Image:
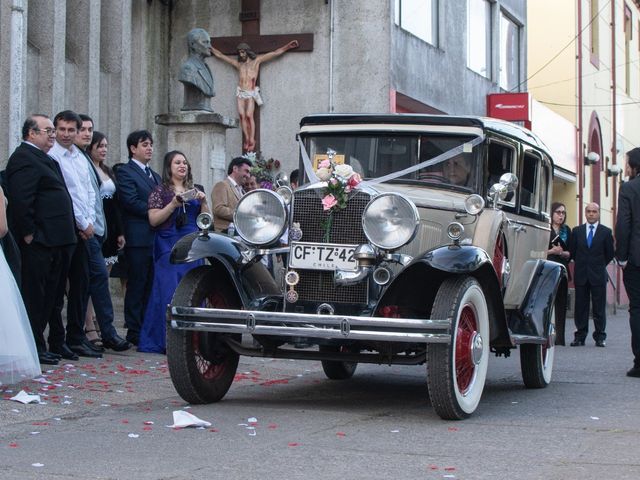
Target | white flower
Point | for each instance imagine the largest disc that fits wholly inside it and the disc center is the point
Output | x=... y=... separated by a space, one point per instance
x=344 y=170
x=324 y=174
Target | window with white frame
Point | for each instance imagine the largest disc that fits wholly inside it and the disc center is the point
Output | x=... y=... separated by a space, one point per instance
x=479 y=37
x=419 y=17
x=509 y=53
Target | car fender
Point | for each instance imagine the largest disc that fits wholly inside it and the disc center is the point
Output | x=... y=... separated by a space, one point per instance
x=416 y=286
x=547 y=289
x=251 y=279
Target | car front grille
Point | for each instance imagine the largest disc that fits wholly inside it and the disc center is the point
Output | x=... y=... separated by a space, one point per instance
x=317 y=285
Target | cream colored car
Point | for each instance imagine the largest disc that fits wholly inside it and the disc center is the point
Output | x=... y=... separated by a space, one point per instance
x=415 y=240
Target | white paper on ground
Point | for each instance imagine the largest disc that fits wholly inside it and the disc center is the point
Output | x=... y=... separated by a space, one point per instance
x=24 y=397
x=182 y=419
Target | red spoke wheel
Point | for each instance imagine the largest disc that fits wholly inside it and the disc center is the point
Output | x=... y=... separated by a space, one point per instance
x=456 y=372
x=201 y=365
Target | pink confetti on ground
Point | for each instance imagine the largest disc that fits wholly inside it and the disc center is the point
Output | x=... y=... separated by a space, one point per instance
x=449 y=469
x=293 y=444
x=280 y=381
x=453 y=429
x=341 y=434
x=272 y=426
x=13 y=445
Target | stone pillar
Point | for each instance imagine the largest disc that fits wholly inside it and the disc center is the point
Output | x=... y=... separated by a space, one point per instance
x=201 y=137
x=17 y=67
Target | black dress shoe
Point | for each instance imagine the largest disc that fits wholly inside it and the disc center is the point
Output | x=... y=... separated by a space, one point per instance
x=64 y=352
x=133 y=340
x=577 y=343
x=53 y=355
x=117 y=343
x=84 y=351
x=634 y=372
x=601 y=343
x=46 y=359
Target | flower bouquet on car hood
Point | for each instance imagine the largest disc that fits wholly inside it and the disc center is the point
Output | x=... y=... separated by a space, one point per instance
x=341 y=180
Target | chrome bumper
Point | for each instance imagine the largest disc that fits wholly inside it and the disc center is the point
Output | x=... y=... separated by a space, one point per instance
x=343 y=327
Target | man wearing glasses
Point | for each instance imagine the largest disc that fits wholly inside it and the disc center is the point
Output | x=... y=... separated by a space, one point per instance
x=42 y=221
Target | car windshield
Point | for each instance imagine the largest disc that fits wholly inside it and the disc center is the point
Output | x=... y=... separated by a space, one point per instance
x=376 y=155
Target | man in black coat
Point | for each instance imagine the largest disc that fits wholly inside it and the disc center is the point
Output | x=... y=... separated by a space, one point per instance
x=43 y=223
x=591 y=247
x=135 y=182
x=628 y=249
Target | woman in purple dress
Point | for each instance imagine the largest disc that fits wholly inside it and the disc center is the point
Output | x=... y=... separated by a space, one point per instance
x=173 y=208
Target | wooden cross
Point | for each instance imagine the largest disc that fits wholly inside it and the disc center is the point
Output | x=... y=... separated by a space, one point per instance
x=250 y=18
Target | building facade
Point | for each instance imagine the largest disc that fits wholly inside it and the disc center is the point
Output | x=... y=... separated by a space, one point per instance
x=118 y=61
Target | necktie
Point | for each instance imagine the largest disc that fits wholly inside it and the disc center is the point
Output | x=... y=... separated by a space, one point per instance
x=590 y=236
x=148 y=172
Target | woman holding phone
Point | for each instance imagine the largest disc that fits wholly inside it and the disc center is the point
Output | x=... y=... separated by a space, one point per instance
x=559 y=236
x=173 y=208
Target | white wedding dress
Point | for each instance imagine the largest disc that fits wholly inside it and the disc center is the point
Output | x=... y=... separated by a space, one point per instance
x=18 y=354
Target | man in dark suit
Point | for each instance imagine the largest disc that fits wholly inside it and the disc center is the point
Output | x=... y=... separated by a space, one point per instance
x=591 y=247
x=43 y=223
x=628 y=249
x=136 y=180
x=227 y=193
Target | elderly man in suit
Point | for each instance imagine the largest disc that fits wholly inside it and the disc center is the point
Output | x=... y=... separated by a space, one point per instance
x=135 y=182
x=227 y=193
x=628 y=249
x=591 y=247
x=43 y=223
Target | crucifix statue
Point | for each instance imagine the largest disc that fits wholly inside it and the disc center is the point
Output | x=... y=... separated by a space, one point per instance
x=263 y=47
x=247 y=92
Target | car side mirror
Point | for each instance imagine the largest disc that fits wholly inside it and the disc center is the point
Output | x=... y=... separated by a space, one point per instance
x=499 y=191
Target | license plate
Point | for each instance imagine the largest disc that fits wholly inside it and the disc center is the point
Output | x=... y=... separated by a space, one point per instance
x=322 y=256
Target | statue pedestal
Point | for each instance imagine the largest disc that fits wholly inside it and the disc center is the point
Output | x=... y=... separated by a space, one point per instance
x=200 y=135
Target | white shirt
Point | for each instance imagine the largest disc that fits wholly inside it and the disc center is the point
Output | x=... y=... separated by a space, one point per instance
x=236 y=187
x=595 y=227
x=75 y=170
x=142 y=166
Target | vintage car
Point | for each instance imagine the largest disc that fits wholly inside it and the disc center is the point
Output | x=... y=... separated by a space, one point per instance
x=417 y=240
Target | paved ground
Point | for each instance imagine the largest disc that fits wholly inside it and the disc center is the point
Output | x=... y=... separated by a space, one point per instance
x=107 y=419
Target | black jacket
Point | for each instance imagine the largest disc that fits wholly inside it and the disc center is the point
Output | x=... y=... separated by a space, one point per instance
x=39 y=202
x=591 y=263
x=628 y=223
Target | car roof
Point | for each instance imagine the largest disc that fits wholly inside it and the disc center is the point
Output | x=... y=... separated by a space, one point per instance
x=494 y=124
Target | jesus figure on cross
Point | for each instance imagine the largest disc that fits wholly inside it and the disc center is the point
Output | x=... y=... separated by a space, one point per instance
x=247 y=92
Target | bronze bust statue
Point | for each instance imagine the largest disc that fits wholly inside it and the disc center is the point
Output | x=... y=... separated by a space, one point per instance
x=195 y=74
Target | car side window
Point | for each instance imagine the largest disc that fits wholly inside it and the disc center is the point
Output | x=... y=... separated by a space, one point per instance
x=530 y=182
x=501 y=160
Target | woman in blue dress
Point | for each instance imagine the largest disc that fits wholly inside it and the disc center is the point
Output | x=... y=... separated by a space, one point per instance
x=173 y=208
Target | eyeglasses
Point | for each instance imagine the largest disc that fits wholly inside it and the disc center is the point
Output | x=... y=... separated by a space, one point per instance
x=48 y=131
x=560 y=212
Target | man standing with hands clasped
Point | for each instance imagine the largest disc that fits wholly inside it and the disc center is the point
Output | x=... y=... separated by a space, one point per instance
x=628 y=249
x=591 y=247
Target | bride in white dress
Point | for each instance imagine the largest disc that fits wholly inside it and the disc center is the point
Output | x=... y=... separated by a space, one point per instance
x=18 y=354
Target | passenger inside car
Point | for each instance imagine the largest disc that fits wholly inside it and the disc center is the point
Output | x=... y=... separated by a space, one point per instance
x=457 y=170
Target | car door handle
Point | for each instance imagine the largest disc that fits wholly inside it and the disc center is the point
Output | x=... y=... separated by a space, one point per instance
x=519 y=228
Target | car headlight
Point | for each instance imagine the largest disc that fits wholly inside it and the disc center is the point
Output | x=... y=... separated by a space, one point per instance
x=390 y=221
x=473 y=204
x=260 y=217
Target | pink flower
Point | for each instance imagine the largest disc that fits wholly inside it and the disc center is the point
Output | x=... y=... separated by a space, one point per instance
x=328 y=202
x=277 y=164
x=324 y=164
x=354 y=180
x=333 y=181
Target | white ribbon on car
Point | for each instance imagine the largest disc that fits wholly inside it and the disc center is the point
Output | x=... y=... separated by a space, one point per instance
x=463 y=148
